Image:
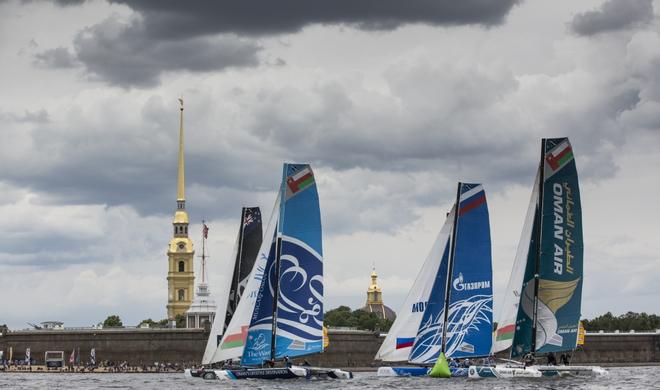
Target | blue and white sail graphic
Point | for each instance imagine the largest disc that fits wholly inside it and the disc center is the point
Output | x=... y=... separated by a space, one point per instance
x=470 y=323
x=260 y=331
x=428 y=341
x=470 y=319
x=300 y=299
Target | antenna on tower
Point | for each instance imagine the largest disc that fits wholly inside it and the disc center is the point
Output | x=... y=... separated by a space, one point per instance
x=205 y=235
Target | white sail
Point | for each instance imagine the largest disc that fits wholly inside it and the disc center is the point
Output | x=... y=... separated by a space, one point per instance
x=233 y=340
x=220 y=313
x=509 y=312
x=410 y=316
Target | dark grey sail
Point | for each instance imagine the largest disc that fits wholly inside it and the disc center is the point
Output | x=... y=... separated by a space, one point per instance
x=249 y=242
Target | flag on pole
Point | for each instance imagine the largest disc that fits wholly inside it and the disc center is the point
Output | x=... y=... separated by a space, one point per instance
x=92 y=356
x=78 y=357
x=27 y=356
x=72 y=357
x=11 y=353
x=205 y=231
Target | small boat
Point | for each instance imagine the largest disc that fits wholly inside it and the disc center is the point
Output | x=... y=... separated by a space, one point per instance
x=449 y=308
x=280 y=315
x=541 y=310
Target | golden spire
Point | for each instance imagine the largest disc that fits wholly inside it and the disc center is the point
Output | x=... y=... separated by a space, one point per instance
x=181 y=184
x=374 y=293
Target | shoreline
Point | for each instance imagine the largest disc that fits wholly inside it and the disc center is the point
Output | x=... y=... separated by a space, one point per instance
x=353 y=369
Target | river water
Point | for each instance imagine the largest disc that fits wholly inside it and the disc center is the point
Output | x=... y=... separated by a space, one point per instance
x=619 y=378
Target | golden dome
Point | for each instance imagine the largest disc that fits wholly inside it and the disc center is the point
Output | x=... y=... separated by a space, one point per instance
x=180 y=216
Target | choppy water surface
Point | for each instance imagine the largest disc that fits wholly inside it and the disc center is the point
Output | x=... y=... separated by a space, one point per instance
x=619 y=378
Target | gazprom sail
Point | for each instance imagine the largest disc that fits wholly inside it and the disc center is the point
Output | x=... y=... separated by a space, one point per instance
x=449 y=308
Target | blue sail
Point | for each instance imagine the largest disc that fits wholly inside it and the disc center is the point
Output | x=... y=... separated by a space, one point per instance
x=470 y=319
x=300 y=299
x=259 y=335
x=428 y=341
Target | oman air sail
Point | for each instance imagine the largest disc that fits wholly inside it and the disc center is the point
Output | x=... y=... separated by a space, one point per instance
x=543 y=303
x=449 y=309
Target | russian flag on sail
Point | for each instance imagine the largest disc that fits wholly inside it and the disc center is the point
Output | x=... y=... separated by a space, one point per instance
x=472 y=196
x=404 y=342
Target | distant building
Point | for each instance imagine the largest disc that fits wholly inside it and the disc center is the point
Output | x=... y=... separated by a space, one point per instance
x=180 y=253
x=375 y=300
x=202 y=310
x=52 y=325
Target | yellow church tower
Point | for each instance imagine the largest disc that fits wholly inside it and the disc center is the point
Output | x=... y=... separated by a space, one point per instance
x=180 y=254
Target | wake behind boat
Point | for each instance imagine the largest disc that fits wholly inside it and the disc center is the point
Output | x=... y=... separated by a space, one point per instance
x=541 y=310
x=449 y=308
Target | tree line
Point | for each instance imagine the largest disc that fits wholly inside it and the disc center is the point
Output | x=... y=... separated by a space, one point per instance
x=360 y=319
x=608 y=322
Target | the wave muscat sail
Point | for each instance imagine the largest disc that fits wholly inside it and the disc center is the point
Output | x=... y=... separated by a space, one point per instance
x=294 y=278
x=550 y=304
x=468 y=291
x=233 y=340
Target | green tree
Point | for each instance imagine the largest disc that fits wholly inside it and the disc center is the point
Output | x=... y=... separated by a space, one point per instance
x=163 y=323
x=150 y=322
x=626 y=322
x=180 y=321
x=113 y=321
x=340 y=316
x=360 y=319
x=4 y=329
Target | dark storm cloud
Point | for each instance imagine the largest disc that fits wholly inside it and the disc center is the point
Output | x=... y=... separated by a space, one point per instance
x=201 y=37
x=171 y=18
x=613 y=15
x=127 y=55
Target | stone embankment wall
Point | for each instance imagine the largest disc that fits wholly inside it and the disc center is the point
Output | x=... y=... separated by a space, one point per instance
x=136 y=346
x=347 y=348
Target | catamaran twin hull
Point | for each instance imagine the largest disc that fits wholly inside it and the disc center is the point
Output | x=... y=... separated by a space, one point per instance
x=533 y=371
x=283 y=373
x=418 y=371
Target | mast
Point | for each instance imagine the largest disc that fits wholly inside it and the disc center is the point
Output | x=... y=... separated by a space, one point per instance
x=537 y=263
x=278 y=253
x=239 y=259
x=450 y=268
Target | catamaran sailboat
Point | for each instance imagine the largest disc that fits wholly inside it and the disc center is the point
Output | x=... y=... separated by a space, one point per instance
x=245 y=252
x=541 y=310
x=280 y=315
x=449 y=308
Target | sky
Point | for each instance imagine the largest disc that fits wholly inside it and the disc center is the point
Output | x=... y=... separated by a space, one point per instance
x=392 y=102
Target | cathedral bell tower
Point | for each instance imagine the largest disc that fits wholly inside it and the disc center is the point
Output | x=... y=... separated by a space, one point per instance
x=180 y=254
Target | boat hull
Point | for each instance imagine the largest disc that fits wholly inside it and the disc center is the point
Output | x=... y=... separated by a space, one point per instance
x=283 y=373
x=572 y=370
x=475 y=372
x=534 y=371
x=417 y=371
